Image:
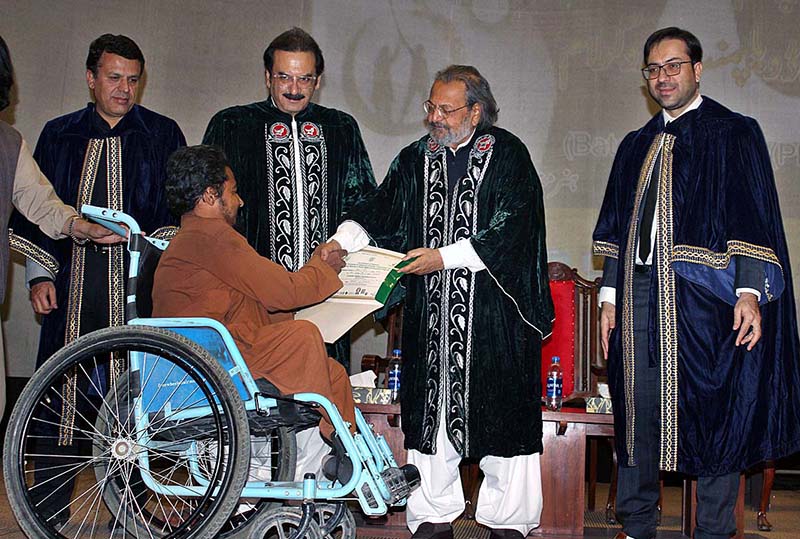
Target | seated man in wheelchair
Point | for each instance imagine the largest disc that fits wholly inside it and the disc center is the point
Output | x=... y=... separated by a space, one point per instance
x=209 y=270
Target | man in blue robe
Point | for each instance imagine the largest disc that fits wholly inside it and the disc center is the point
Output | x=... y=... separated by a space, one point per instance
x=112 y=153
x=698 y=318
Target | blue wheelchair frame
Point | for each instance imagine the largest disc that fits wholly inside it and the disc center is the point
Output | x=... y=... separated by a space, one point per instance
x=369 y=453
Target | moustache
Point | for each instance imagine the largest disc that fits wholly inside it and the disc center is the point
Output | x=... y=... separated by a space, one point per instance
x=435 y=125
x=294 y=97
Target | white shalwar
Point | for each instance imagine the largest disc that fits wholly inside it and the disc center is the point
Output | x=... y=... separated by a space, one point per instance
x=510 y=495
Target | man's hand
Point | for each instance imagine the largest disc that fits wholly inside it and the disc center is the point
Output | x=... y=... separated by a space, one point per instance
x=332 y=254
x=83 y=229
x=427 y=261
x=747 y=319
x=43 y=297
x=608 y=321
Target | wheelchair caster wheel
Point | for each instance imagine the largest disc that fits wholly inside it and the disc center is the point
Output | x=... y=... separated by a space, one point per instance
x=282 y=523
x=325 y=515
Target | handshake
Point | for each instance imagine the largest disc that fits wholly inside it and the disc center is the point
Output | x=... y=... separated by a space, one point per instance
x=332 y=254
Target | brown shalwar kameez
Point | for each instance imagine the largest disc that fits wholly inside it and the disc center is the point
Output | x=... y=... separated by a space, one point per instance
x=209 y=270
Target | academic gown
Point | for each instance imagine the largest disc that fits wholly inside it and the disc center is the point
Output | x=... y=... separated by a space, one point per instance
x=210 y=271
x=318 y=153
x=723 y=408
x=129 y=160
x=471 y=341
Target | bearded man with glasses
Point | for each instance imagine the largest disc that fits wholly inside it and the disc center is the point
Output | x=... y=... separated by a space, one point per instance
x=465 y=203
x=698 y=318
x=299 y=165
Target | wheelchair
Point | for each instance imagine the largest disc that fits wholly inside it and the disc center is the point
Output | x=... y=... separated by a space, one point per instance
x=157 y=429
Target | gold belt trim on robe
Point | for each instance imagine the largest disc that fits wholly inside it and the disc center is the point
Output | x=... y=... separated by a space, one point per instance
x=667 y=315
x=165 y=233
x=628 y=360
x=30 y=250
x=604 y=248
x=116 y=289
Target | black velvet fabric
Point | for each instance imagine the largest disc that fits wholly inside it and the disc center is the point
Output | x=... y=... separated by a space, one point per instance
x=241 y=132
x=148 y=139
x=735 y=408
x=512 y=305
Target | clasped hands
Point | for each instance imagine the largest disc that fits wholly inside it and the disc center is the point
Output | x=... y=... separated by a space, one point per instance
x=426 y=260
x=332 y=254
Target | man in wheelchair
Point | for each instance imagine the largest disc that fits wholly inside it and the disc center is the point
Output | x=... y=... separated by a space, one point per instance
x=209 y=270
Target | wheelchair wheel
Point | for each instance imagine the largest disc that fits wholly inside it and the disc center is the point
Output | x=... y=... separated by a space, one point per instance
x=277 y=451
x=280 y=523
x=143 y=455
x=325 y=513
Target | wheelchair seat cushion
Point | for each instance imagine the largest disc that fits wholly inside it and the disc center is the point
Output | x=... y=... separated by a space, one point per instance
x=296 y=415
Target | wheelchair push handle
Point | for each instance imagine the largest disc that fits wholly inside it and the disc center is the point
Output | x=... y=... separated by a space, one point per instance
x=111 y=219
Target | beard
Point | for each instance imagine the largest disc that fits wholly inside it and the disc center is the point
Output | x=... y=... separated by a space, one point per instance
x=448 y=136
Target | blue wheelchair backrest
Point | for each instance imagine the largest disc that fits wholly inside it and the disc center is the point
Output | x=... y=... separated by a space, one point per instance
x=175 y=390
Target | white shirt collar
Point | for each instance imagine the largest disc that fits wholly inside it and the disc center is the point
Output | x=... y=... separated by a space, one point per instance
x=466 y=141
x=695 y=104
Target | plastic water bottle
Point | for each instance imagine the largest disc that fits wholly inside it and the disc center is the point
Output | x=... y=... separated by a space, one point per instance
x=554 y=385
x=393 y=372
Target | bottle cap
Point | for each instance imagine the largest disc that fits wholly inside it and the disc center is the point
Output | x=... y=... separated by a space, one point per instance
x=556 y=359
x=396 y=352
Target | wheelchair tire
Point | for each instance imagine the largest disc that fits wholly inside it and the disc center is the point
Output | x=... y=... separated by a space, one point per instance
x=113 y=458
x=280 y=523
x=284 y=458
x=344 y=529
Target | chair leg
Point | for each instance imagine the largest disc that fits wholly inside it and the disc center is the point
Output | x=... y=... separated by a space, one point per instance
x=660 y=501
x=611 y=502
x=766 y=492
x=592 y=490
x=471 y=482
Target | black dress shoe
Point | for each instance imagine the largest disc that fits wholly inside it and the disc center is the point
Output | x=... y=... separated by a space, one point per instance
x=505 y=533
x=429 y=530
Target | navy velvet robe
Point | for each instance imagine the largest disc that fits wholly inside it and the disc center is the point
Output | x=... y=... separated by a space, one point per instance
x=147 y=139
x=733 y=408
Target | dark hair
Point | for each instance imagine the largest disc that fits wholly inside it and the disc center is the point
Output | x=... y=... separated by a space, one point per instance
x=478 y=91
x=119 y=45
x=6 y=75
x=691 y=41
x=294 y=40
x=190 y=171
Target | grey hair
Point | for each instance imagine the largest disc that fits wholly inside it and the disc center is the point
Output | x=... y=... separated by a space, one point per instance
x=478 y=91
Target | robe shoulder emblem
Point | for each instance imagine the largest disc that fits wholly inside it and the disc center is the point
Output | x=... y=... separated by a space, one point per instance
x=432 y=147
x=484 y=143
x=279 y=131
x=310 y=130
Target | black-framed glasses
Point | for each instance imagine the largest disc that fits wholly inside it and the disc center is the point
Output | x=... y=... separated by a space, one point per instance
x=429 y=107
x=304 y=81
x=670 y=69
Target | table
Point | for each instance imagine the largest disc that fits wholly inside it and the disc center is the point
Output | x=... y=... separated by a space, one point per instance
x=563 y=487
x=564 y=436
x=563 y=483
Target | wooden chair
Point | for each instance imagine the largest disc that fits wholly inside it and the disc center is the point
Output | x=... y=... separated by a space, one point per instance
x=762 y=523
x=576 y=340
x=576 y=332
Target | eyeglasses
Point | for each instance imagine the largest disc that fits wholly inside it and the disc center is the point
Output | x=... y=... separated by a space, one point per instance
x=670 y=69
x=303 y=81
x=430 y=108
